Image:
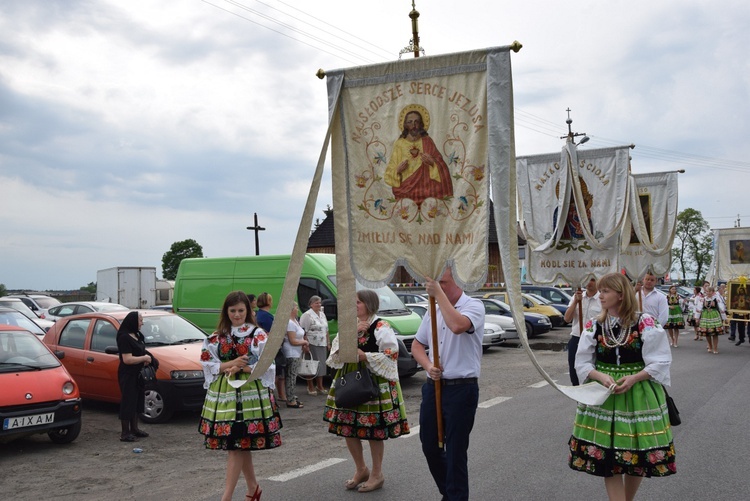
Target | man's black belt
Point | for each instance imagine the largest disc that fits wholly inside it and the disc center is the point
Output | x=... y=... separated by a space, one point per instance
x=451 y=382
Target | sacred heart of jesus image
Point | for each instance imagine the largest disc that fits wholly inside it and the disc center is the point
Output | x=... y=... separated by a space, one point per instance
x=412 y=178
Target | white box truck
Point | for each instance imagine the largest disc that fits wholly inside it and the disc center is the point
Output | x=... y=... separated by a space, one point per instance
x=131 y=286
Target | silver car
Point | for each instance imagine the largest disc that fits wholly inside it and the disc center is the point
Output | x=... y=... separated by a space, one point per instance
x=78 y=307
x=494 y=334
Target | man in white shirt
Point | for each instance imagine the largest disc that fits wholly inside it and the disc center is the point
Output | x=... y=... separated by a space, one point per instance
x=460 y=329
x=652 y=301
x=591 y=307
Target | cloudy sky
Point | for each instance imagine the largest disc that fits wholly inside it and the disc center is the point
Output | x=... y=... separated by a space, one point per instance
x=127 y=126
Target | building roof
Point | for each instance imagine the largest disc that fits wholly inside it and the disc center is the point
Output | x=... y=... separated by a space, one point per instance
x=323 y=235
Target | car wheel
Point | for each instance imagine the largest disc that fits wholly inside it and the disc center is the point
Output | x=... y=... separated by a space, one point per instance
x=529 y=330
x=65 y=435
x=485 y=349
x=155 y=408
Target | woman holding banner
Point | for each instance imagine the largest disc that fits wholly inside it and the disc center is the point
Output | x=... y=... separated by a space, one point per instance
x=376 y=420
x=629 y=436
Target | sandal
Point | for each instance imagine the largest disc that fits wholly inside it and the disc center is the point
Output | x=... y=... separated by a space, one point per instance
x=128 y=438
x=296 y=405
x=140 y=433
x=356 y=481
x=256 y=495
x=369 y=487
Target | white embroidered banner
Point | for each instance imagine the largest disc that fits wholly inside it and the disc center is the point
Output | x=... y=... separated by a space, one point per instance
x=649 y=229
x=414 y=139
x=731 y=254
x=588 y=187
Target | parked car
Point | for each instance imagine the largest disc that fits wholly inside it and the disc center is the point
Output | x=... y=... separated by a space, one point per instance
x=39 y=303
x=9 y=316
x=555 y=295
x=407 y=366
x=562 y=308
x=530 y=304
x=37 y=394
x=494 y=333
x=17 y=304
x=683 y=292
x=418 y=308
x=536 y=323
x=411 y=297
x=78 y=307
x=88 y=342
x=163 y=307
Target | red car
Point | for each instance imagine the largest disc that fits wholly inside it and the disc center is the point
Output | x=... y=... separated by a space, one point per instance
x=37 y=394
x=88 y=342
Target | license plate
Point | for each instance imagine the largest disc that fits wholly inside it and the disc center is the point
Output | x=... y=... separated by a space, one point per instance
x=25 y=421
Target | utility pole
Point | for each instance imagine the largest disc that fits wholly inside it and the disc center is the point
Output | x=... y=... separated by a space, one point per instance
x=256 y=229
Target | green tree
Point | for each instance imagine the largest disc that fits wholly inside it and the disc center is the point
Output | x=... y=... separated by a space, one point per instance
x=91 y=287
x=693 y=248
x=171 y=260
x=3 y=290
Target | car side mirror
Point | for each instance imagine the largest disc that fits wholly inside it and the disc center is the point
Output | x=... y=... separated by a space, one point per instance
x=59 y=354
x=331 y=309
x=111 y=350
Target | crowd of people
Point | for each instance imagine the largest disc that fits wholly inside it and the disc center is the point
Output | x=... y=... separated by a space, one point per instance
x=621 y=337
x=242 y=415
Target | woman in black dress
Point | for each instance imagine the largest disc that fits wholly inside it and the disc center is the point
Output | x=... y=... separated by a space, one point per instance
x=133 y=357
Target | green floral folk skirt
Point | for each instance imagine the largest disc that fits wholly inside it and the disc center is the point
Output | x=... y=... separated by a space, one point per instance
x=378 y=419
x=630 y=433
x=244 y=418
x=711 y=323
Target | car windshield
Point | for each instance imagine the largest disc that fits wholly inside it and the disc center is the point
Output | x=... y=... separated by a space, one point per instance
x=160 y=330
x=388 y=299
x=503 y=304
x=46 y=302
x=111 y=307
x=20 y=320
x=21 y=350
x=20 y=306
x=541 y=299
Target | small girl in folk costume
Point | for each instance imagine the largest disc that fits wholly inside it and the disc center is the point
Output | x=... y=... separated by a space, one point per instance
x=710 y=314
x=676 y=321
x=238 y=416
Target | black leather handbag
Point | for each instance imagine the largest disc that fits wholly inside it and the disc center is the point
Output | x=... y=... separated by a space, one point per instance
x=674 y=414
x=147 y=376
x=355 y=388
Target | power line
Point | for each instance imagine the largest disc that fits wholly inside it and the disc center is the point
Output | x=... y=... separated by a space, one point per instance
x=523 y=118
x=293 y=28
x=277 y=31
x=385 y=53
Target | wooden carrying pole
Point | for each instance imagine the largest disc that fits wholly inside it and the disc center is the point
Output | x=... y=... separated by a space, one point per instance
x=580 y=313
x=436 y=363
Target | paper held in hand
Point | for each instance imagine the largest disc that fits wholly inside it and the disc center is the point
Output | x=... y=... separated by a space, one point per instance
x=591 y=393
x=236 y=383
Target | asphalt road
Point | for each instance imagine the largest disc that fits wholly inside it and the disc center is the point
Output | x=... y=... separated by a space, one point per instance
x=518 y=449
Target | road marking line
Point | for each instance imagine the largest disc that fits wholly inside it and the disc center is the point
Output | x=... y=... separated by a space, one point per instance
x=413 y=432
x=541 y=384
x=305 y=470
x=493 y=401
